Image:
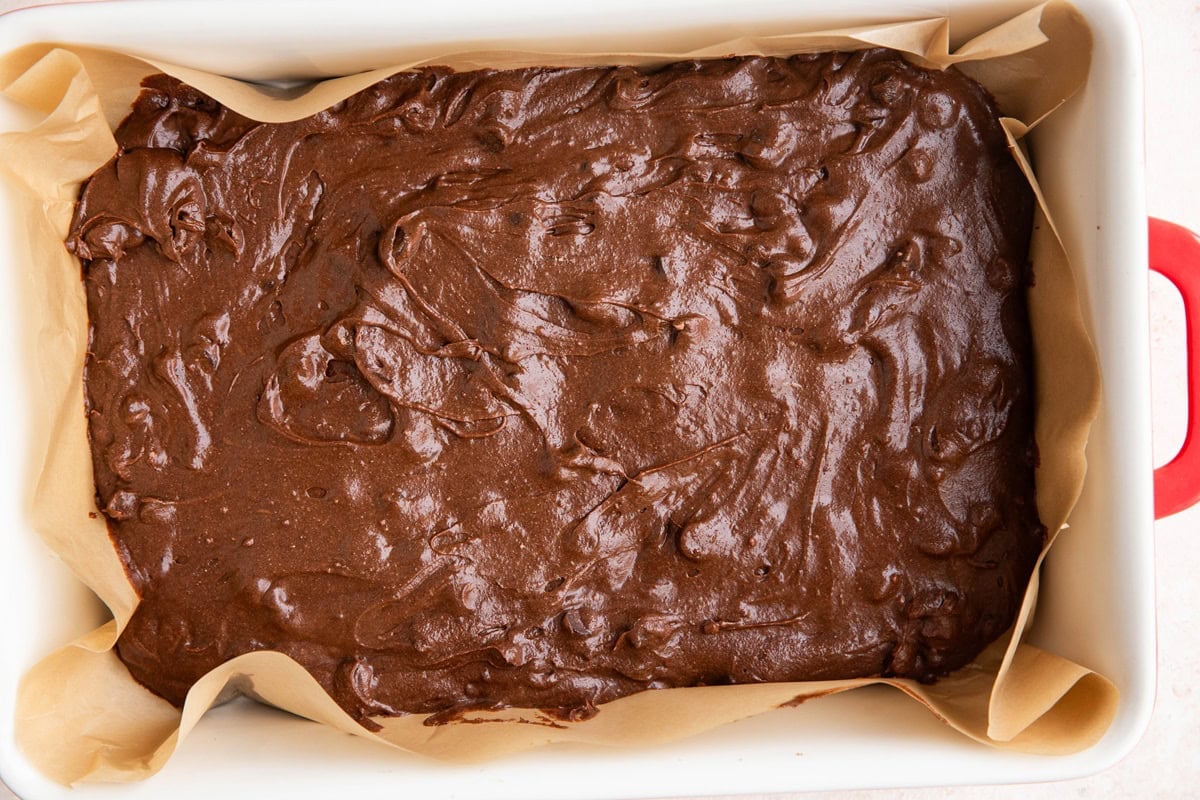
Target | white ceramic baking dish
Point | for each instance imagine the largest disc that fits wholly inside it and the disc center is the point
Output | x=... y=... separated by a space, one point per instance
x=1097 y=605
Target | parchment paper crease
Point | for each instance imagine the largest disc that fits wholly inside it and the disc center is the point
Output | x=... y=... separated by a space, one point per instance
x=81 y=717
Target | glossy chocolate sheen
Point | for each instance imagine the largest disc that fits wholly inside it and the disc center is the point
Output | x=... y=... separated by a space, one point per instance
x=540 y=387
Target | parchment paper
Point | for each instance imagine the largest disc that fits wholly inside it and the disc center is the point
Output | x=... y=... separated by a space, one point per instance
x=81 y=717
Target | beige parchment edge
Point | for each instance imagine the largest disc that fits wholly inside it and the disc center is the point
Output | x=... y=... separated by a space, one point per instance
x=81 y=717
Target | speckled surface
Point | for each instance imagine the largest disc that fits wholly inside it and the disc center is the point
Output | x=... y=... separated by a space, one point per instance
x=1164 y=763
x=572 y=425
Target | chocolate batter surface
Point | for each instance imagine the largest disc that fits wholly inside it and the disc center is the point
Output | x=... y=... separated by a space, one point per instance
x=537 y=388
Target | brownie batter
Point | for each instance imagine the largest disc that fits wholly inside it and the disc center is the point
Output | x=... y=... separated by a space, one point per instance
x=541 y=387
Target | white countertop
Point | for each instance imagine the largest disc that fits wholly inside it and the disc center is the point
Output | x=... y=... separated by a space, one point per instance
x=1167 y=761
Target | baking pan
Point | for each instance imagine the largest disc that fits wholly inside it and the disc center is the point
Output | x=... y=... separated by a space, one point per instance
x=1097 y=600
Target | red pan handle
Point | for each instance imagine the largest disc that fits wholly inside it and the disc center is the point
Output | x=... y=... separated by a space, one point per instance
x=1175 y=254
